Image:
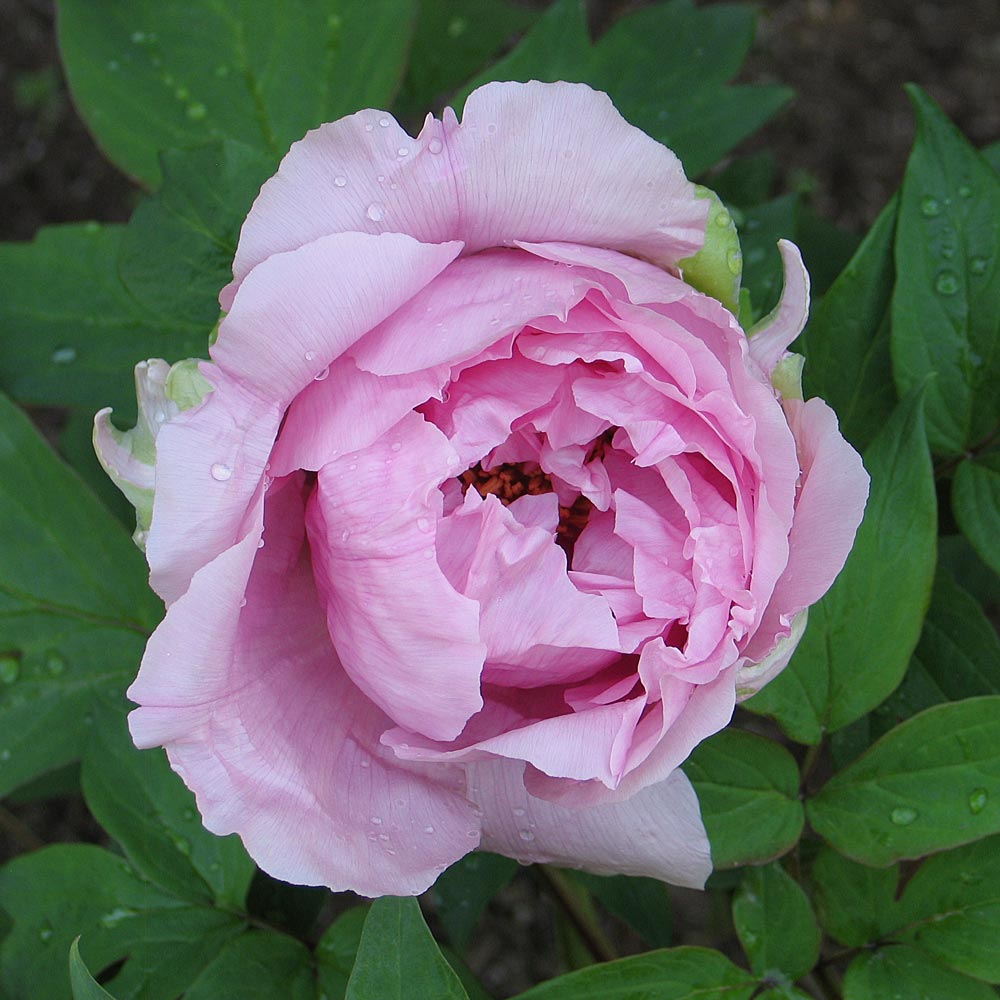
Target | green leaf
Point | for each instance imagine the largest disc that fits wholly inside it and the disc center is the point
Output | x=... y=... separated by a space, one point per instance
x=183 y=239
x=951 y=909
x=976 y=504
x=75 y=610
x=946 y=304
x=55 y=894
x=150 y=75
x=899 y=971
x=259 y=965
x=463 y=890
x=685 y=103
x=674 y=974
x=854 y=903
x=72 y=330
x=873 y=612
x=958 y=657
x=846 y=342
x=337 y=950
x=775 y=923
x=643 y=903
x=748 y=788
x=452 y=40
x=398 y=959
x=82 y=982
x=144 y=805
x=930 y=784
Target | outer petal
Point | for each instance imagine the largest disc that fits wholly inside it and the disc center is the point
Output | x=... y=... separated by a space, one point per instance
x=657 y=832
x=276 y=742
x=830 y=506
x=406 y=637
x=770 y=338
x=532 y=162
x=304 y=308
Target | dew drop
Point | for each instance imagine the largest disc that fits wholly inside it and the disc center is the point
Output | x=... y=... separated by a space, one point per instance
x=978 y=265
x=978 y=798
x=384 y=837
x=45 y=933
x=384 y=122
x=10 y=668
x=344 y=535
x=221 y=71
x=526 y=835
x=375 y=212
x=723 y=219
x=221 y=472
x=396 y=445
x=243 y=602
x=310 y=355
x=55 y=662
x=965 y=191
x=428 y=829
x=64 y=355
x=182 y=93
x=138 y=37
x=340 y=181
x=4 y=756
x=403 y=151
x=435 y=146
x=323 y=375
x=734 y=260
x=116 y=916
x=930 y=207
x=368 y=126
x=377 y=820
x=113 y=66
x=423 y=524
x=903 y=815
x=260 y=543
x=946 y=283
x=365 y=762
x=197 y=111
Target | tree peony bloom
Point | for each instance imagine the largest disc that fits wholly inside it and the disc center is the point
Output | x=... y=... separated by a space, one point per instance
x=484 y=516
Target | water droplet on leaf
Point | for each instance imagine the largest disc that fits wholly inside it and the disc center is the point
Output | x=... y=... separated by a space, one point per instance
x=903 y=815
x=946 y=283
x=10 y=667
x=64 y=355
x=978 y=798
x=930 y=207
x=55 y=662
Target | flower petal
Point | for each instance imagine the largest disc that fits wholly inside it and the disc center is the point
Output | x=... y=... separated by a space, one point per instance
x=530 y=161
x=405 y=636
x=770 y=338
x=657 y=832
x=276 y=742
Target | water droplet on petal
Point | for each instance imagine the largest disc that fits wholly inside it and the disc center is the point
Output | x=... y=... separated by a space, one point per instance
x=260 y=543
x=368 y=126
x=221 y=472
x=384 y=122
x=930 y=207
x=377 y=820
x=243 y=602
x=428 y=829
x=344 y=535
x=323 y=375
x=340 y=181
x=375 y=212
x=403 y=151
x=435 y=146
x=526 y=835
x=310 y=355
x=903 y=815
x=423 y=524
x=946 y=283
x=978 y=798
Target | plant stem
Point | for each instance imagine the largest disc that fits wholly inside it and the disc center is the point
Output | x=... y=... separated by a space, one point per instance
x=580 y=915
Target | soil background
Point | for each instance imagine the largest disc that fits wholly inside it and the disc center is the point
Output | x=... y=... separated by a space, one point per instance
x=844 y=140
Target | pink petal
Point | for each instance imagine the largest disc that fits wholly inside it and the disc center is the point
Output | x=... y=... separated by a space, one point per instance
x=302 y=309
x=210 y=464
x=657 y=832
x=405 y=636
x=770 y=338
x=829 y=509
x=531 y=162
x=528 y=606
x=264 y=726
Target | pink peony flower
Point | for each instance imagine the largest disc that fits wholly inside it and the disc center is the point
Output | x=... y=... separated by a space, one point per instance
x=482 y=517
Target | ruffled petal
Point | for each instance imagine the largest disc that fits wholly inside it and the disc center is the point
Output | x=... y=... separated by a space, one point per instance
x=529 y=161
x=406 y=637
x=302 y=309
x=770 y=338
x=274 y=739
